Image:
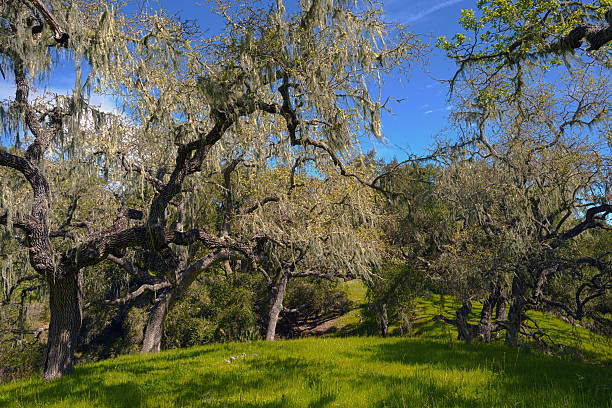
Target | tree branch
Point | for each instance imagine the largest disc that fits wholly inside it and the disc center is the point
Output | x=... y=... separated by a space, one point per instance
x=61 y=36
x=228 y=206
x=589 y=222
x=157 y=183
x=133 y=270
x=260 y=203
x=23 y=222
x=130 y=296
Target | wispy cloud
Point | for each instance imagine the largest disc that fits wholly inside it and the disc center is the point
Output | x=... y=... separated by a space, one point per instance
x=411 y=13
x=438 y=110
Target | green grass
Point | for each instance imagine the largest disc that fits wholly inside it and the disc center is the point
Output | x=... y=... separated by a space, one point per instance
x=592 y=347
x=429 y=370
x=581 y=342
x=315 y=372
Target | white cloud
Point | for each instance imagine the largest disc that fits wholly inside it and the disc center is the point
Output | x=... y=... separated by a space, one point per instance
x=414 y=11
x=447 y=108
x=104 y=102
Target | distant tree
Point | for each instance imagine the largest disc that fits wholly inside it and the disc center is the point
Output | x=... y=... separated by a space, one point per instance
x=305 y=226
x=534 y=102
x=391 y=294
x=535 y=181
x=414 y=227
x=326 y=228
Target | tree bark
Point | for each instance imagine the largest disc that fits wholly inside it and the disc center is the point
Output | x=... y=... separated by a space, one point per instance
x=383 y=320
x=485 y=326
x=169 y=296
x=65 y=303
x=465 y=330
x=516 y=314
x=501 y=313
x=155 y=324
x=276 y=306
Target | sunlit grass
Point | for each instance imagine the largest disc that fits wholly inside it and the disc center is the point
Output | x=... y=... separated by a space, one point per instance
x=586 y=344
x=430 y=369
x=315 y=372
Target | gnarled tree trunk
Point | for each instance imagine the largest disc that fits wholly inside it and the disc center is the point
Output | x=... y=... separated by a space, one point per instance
x=65 y=303
x=501 y=313
x=276 y=305
x=155 y=324
x=465 y=331
x=485 y=326
x=516 y=314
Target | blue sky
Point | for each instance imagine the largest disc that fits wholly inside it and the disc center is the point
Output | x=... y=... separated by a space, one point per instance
x=424 y=108
x=423 y=112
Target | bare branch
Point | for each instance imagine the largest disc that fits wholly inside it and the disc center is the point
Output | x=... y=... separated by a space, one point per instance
x=157 y=183
x=133 y=295
x=590 y=221
x=228 y=207
x=261 y=203
x=133 y=270
x=23 y=222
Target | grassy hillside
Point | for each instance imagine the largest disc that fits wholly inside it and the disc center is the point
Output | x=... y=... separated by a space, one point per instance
x=315 y=372
x=428 y=370
x=583 y=343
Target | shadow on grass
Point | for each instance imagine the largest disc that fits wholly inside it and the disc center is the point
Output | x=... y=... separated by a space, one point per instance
x=80 y=388
x=362 y=327
x=223 y=385
x=401 y=373
x=537 y=379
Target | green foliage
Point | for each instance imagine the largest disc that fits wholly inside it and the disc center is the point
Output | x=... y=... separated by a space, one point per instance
x=510 y=45
x=190 y=322
x=316 y=297
x=109 y=331
x=572 y=341
x=232 y=304
x=395 y=287
x=132 y=328
x=312 y=302
x=217 y=309
x=20 y=361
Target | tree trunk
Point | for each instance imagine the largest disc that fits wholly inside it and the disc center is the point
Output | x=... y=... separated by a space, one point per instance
x=155 y=324
x=383 y=320
x=276 y=306
x=485 y=326
x=464 y=329
x=516 y=314
x=501 y=313
x=515 y=319
x=65 y=306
